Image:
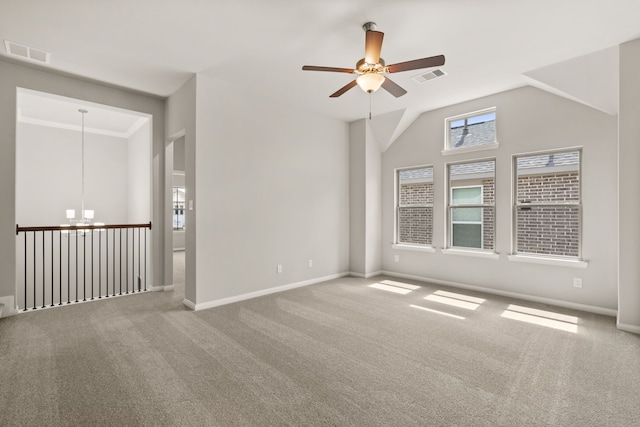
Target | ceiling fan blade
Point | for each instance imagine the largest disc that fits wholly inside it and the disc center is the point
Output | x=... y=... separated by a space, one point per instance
x=373 y=46
x=332 y=69
x=416 y=64
x=343 y=89
x=393 y=88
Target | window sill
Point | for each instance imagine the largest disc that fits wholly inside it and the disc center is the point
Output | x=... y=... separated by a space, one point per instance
x=477 y=254
x=573 y=263
x=409 y=247
x=471 y=149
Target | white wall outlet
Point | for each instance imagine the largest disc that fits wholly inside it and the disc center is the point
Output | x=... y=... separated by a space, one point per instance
x=190 y=205
x=310 y=263
x=279 y=269
x=577 y=282
x=396 y=258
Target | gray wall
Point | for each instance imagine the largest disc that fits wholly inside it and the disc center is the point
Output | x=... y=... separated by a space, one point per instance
x=365 y=232
x=178 y=154
x=357 y=197
x=528 y=120
x=12 y=76
x=49 y=171
x=181 y=125
x=139 y=175
x=275 y=191
x=629 y=196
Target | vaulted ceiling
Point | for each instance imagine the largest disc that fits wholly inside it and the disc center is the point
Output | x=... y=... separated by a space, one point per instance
x=154 y=46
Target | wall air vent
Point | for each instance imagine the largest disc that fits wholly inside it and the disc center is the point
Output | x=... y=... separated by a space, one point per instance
x=421 y=78
x=26 y=52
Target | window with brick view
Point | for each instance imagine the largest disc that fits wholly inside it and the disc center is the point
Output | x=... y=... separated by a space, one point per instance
x=548 y=206
x=414 y=214
x=471 y=131
x=471 y=205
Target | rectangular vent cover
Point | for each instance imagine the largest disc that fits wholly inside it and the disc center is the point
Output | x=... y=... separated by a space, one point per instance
x=430 y=75
x=26 y=52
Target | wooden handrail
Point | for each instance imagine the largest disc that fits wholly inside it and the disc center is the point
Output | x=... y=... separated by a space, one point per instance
x=79 y=227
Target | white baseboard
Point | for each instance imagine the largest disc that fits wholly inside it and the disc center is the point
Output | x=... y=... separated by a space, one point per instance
x=262 y=292
x=558 y=303
x=8 y=308
x=628 y=328
x=163 y=288
x=365 y=276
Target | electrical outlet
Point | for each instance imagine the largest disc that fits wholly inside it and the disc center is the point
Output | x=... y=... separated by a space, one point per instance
x=279 y=269
x=577 y=282
x=397 y=258
x=310 y=263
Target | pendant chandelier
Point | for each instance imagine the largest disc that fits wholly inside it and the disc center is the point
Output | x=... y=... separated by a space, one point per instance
x=86 y=215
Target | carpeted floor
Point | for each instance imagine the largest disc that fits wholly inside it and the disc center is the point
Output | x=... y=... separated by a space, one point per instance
x=344 y=352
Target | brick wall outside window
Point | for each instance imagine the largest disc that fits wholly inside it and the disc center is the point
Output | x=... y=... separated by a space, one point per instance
x=416 y=220
x=489 y=216
x=540 y=230
x=549 y=230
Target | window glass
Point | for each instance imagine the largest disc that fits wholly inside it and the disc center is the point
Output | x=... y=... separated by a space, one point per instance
x=472 y=130
x=547 y=204
x=466 y=196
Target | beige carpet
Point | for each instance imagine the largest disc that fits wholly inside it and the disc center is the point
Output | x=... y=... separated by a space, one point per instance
x=336 y=353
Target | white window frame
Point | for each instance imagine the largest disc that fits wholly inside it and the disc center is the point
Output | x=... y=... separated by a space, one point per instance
x=448 y=150
x=452 y=222
x=396 y=239
x=531 y=257
x=449 y=248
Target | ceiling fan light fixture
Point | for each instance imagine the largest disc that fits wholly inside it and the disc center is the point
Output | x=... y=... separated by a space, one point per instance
x=370 y=82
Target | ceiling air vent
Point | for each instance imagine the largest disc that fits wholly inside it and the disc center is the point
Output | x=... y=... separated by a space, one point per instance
x=26 y=52
x=421 y=78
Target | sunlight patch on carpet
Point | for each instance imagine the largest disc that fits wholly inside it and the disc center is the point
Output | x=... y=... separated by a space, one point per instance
x=454 y=302
x=437 y=312
x=390 y=288
x=545 y=318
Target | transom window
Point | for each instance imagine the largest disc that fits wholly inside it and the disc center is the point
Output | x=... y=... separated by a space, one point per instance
x=471 y=131
x=414 y=206
x=548 y=206
x=471 y=205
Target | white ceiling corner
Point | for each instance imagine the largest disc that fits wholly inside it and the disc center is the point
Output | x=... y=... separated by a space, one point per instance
x=589 y=79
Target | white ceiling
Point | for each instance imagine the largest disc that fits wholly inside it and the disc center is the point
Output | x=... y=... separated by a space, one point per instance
x=45 y=109
x=156 y=45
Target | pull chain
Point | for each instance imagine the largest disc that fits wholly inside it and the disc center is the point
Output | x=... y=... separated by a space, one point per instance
x=370 y=105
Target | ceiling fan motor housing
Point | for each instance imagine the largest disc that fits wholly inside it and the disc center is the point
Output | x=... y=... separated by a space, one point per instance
x=363 y=67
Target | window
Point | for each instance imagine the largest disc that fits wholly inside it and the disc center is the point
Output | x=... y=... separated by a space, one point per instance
x=548 y=207
x=471 y=207
x=178 y=208
x=466 y=223
x=473 y=131
x=414 y=210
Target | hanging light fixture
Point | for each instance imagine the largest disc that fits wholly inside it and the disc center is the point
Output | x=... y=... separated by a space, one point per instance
x=86 y=215
x=370 y=81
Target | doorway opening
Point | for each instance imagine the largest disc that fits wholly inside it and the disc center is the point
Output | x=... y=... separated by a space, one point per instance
x=179 y=216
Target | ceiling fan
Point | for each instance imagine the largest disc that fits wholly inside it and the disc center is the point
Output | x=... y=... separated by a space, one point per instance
x=371 y=68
